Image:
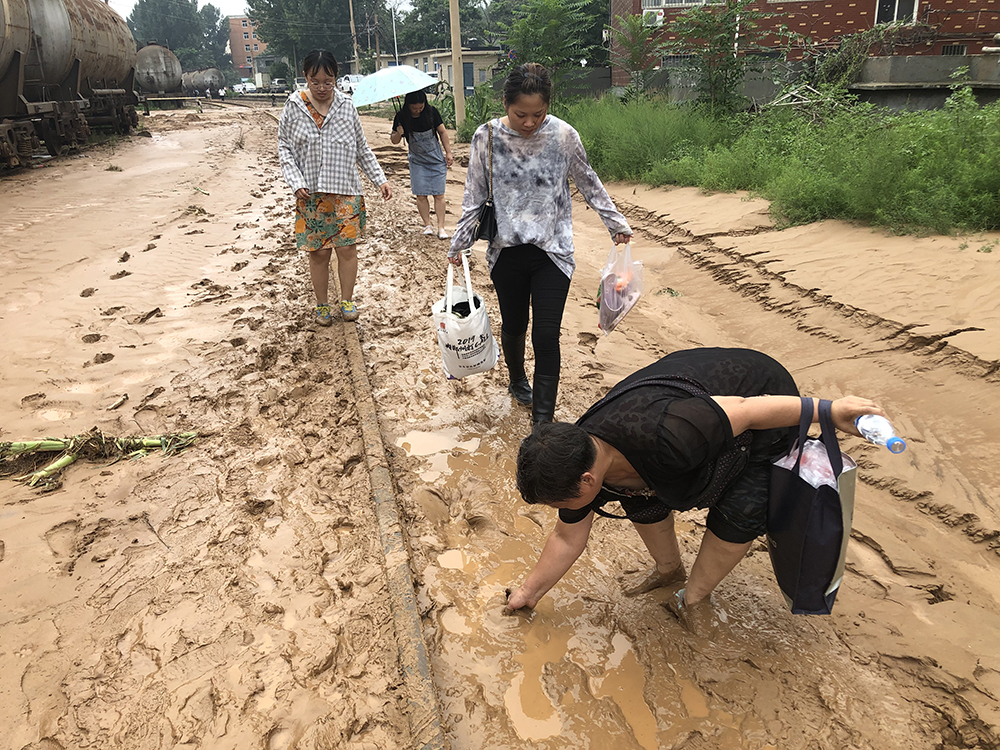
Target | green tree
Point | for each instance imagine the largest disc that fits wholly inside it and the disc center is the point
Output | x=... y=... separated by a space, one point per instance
x=554 y=33
x=720 y=41
x=280 y=69
x=215 y=28
x=637 y=52
x=428 y=25
x=197 y=37
x=172 y=23
x=294 y=27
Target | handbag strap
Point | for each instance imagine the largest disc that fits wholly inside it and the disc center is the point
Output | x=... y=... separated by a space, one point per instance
x=829 y=436
x=448 y=288
x=451 y=280
x=489 y=128
x=828 y=433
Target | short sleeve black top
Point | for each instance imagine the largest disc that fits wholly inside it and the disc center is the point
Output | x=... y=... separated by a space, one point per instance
x=429 y=119
x=671 y=438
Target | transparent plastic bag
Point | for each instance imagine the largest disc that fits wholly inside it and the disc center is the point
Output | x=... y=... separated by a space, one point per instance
x=621 y=287
x=815 y=467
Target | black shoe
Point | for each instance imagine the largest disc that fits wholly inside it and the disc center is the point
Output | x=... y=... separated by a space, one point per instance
x=513 y=355
x=544 y=407
x=521 y=391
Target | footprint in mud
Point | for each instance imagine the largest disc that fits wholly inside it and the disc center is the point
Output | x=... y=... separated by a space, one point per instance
x=3 y=550
x=33 y=400
x=149 y=247
x=62 y=537
x=588 y=340
x=121 y=275
x=112 y=310
x=91 y=338
x=88 y=292
x=103 y=357
x=240 y=266
x=125 y=257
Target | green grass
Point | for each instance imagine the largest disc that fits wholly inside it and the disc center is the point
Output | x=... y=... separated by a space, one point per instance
x=909 y=172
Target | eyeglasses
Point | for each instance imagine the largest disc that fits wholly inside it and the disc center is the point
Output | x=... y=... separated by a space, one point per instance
x=321 y=86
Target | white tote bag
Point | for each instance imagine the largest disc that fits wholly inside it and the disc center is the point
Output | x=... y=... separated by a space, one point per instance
x=463 y=328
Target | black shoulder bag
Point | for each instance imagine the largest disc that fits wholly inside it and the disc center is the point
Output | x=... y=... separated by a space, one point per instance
x=486 y=224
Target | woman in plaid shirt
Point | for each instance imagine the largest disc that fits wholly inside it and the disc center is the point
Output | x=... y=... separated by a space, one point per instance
x=320 y=146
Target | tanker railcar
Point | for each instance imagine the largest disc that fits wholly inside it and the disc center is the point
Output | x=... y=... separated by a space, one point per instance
x=65 y=66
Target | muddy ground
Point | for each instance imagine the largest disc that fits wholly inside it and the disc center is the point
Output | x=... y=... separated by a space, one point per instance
x=234 y=595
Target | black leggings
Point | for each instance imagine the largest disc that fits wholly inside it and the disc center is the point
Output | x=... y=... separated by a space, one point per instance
x=523 y=275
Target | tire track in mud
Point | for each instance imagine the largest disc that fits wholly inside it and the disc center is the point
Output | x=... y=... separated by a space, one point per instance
x=773 y=292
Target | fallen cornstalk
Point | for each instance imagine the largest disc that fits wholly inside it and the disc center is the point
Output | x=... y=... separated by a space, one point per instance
x=91 y=446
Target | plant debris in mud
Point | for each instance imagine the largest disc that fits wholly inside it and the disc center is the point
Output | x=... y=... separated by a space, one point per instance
x=93 y=446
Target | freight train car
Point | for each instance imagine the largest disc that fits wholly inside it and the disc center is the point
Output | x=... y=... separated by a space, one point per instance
x=203 y=81
x=157 y=70
x=65 y=66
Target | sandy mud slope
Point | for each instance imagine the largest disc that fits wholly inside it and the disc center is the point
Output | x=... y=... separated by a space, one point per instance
x=229 y=597
x=234 y=595
x=911 y=657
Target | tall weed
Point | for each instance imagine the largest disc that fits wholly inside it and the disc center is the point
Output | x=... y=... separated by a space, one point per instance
x=914 y=171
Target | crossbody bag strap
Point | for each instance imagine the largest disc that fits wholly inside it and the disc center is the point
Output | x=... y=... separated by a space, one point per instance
x=692 y=387
x=489 y=127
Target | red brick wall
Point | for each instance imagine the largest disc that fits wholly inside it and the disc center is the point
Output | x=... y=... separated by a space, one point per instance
x=940 y=22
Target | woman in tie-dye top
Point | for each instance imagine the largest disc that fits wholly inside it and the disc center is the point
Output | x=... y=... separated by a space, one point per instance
x=531 y=258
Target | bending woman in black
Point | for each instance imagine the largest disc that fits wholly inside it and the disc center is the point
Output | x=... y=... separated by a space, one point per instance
x=653 y=445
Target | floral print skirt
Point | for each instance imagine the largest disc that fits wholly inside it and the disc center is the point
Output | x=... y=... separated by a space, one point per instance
x=328 y=220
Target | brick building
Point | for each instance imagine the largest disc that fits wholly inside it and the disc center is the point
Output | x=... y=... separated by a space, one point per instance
x=931 y=27
x=244 y=45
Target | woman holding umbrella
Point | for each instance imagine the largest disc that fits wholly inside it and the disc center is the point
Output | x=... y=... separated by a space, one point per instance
x=422 y=127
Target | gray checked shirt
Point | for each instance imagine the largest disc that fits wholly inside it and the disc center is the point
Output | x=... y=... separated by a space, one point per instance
x=531 y=191
x=325 y=160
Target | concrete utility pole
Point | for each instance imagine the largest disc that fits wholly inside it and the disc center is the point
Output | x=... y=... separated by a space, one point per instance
x=378 y=55
x=458 y=74
x=354 y=37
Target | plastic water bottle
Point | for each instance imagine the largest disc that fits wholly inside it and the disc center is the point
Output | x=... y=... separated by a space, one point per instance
x=878 y=430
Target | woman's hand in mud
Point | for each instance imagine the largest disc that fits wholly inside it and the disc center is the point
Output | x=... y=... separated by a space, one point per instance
x=302 y=194
x=386 y=191
x=847 y=409
x=622 y=239
x=518 y=602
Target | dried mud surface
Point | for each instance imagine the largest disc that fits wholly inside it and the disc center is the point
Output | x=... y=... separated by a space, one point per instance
x=234 y=595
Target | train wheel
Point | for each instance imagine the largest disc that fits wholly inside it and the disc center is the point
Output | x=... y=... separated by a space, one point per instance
x=53 y=141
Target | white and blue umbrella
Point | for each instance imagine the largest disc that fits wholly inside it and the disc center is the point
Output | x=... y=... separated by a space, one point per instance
x=387 y=83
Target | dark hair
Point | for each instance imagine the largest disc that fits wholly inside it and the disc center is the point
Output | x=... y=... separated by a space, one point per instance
x=552 y=461
x=420 y=123
x=320 y=59
x=527 y=79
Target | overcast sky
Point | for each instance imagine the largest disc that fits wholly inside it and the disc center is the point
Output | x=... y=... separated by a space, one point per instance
x=228 y=7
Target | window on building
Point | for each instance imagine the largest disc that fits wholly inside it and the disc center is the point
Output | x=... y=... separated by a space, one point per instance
x=449 y=74
x=246 y=47
x=955 y=49
x=244 y=23
x=246 y=35
x=482 y=75
x=249 y=59
x=255 y=35
x=899 y=11
x=255 y=48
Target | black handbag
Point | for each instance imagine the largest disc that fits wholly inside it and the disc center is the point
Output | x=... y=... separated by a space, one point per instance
x=486 y=224
x=808 y=526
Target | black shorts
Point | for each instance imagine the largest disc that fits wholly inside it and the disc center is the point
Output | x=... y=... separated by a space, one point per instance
x=740 y=515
